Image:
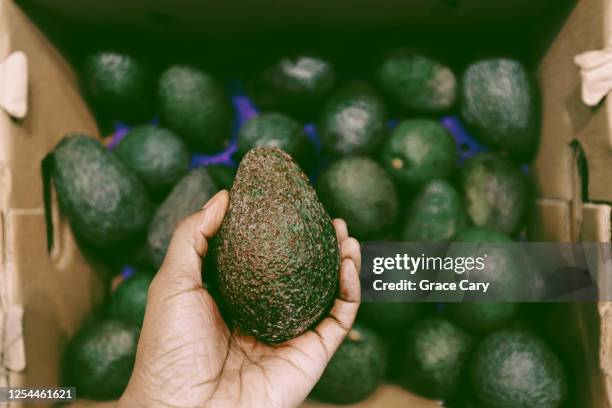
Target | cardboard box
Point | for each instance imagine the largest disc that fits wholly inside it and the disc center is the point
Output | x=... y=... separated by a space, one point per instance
x=39 y=315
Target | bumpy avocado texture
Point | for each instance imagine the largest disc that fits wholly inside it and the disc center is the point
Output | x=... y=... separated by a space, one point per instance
x=356 y=369
x=105 y=203
x=500 y=104
x=512 y=368
x=353 y=121
x=359 y=190
x=100 y=358
x=156 y=155
x=277 y=252
x=128 y=302
x=188 y=196
x=196 y=107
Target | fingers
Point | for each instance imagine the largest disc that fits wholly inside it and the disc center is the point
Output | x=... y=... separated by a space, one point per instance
x=341 y=230
x=350 y=249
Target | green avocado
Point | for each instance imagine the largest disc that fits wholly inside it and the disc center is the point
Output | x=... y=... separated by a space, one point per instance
x=482 y=317
x=418 y=151
x=277 y=251
x=358 y=190
x=156 y=155
x=279 y=130
x=436 y=352
x=106 y=204
x=128 y=302
x=222 y=175
x=353 y=121
x=436 y=214
x=119 y=84
x=187 y=196
x=296 y=85
x=355 y=371
x=196 y=107
x=512 y=368
x=500 y=105
x=496 y=192
x=389 y=316
x=100 y=358
x=415 y=82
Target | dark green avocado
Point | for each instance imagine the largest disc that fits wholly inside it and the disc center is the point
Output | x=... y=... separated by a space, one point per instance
x=496 y=192
x=355 y=371
x=119 y=84
x=222 y=175
x=188 y=196
x=196 y=107
x=482 y=317
x=100 y=358
x=277 y=252
x=500 y=105
x=416 y=82
x=418 y=151
x=156 y=155
x=358 y=190
x=512 y=368
x=436 y=214
x=296 y=85
x=436 y=352
x=389 y=316
x=106 y=204
x=353 y=121
x=128 y=302
x=279 y=130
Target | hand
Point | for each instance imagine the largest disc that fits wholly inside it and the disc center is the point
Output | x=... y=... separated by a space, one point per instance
x=188 y=357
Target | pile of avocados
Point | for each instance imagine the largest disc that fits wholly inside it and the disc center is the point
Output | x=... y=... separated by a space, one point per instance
x=375 y=152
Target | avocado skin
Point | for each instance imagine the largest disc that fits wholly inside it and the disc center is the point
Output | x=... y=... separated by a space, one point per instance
x=416 y=82
x=500 y=105
x=119 y=84
x=128 y=302
x=100 y=358
x=355 y=371
x=156 y=155
x=512 y=368
x=105 y=203
x=358 y=190
x=389 y=316
x=496 y=192
x=418 y=151
x=436 y=352
x=279 y=130
x=222 y=175
x=296 y=85
x=277 y=251
x=482 y=317
x=436 y=214
x=353 y=121
x=196 y=107
x=187 y=196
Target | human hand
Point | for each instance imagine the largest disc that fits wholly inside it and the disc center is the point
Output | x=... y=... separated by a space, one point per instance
x=188 y=357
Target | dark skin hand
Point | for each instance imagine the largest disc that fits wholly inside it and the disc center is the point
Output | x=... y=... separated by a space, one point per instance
x=188 y=357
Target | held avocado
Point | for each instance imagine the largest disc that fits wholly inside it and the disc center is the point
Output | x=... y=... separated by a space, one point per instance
x=277 y=252
x=355 y=371
x=106 y=204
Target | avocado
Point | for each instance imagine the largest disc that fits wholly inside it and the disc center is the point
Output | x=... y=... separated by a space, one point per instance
x=389 y=316
x=296 y=85
x=436 y=214
x=418 y=151
x=196 y=107
x=156 y=155
x=279 y=130
x=277 y=252
x=358 y=190
x=496 y=192
x=481 y=234
x=436 y=353
x=222 y=175
x=119 y=84
x=99 y=359
x=105 y=203
x=512 y=368
x=188 y=196
x=416 y=82
x=355 y=371
x=353 y=121
x=500 y=105
x=128 y=302
x=482 y=317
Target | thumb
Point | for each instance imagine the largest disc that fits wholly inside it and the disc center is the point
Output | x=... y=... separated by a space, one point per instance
x=189 y=243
